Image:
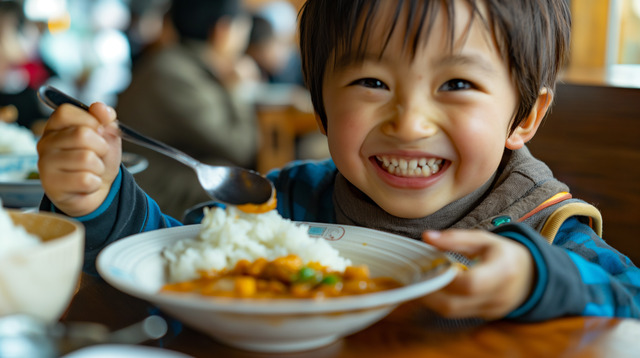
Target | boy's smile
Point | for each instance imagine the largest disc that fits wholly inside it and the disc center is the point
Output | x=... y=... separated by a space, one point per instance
x=416 y=133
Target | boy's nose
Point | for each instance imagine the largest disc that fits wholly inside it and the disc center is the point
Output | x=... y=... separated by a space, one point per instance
x=410 y=124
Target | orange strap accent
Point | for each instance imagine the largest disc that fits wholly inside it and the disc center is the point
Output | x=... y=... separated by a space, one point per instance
x=562 y=196
x=558 y=217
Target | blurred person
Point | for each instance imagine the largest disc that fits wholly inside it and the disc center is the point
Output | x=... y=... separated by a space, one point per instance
x=150 y=27
x=22 y=70
x=191 y=95
x=272 y=48
x=274 y=53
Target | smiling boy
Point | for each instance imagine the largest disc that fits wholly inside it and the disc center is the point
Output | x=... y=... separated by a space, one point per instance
x=427 y=106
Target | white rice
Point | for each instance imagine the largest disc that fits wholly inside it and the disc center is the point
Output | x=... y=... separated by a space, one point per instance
x=16 y=139
x=230 y=235
x=14 y=238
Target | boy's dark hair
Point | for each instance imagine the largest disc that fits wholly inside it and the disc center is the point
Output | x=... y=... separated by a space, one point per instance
x=532 y=36
x=12 y=9
x=194 y=19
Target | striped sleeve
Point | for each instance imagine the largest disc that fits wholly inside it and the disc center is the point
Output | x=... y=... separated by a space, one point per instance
x=579 y=274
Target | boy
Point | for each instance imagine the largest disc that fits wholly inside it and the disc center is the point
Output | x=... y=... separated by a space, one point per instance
x=427 y=106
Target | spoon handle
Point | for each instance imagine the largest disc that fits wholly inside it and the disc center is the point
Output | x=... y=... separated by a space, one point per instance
x=133 y=136
x=53 y=98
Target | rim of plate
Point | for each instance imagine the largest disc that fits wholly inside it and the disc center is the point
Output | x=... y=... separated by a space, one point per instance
x=24 y=182
x=152 y=242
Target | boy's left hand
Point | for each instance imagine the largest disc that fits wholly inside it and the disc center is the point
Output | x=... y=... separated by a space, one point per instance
x=499 y=282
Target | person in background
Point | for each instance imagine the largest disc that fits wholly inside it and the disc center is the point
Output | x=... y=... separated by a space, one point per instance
x=22 y=71
x=150 y=27
x=274 y=54
x=427 y=107
x=190 y=94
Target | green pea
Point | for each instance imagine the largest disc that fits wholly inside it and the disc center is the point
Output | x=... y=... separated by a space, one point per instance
x=306 y=274
x=330 y=279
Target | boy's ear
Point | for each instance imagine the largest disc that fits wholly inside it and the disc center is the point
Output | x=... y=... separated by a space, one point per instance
x=528 y=127
x=319 y=122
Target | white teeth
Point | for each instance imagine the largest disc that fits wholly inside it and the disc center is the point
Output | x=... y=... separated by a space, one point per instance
x=402 y=164
x=413 y=163
x=416 y=167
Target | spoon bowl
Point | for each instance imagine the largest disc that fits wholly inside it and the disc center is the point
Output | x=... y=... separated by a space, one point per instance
x=229 y=185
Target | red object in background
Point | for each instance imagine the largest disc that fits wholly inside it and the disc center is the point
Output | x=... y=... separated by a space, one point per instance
x=38 y=73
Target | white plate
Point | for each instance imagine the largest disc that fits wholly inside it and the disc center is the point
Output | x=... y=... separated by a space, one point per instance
x=124 y=351
x=135 y=163
x=27 y=193
x=135 y=266
x=14 y=191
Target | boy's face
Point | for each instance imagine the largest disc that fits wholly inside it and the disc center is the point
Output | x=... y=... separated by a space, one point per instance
x=449 y=109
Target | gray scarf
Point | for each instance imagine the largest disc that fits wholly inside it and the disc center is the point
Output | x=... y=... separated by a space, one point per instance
x=520 y=184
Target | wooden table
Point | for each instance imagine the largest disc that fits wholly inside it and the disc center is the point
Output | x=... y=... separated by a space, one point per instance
x=401 y=334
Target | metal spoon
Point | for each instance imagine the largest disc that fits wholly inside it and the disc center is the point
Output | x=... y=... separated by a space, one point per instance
x=230 y=185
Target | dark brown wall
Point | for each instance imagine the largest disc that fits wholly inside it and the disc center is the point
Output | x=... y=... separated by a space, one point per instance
x=591 y=141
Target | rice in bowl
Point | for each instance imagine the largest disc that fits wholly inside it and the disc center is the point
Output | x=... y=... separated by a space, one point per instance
x=230 y=235
x=14 y=238
x=15 y=139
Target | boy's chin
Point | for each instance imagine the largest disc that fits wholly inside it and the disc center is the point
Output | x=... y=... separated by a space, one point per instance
x=407 y=210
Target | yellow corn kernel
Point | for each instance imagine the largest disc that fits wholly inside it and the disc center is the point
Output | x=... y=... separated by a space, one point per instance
x=289 y=262
x=300 y=290
x=245 y=286
x=256 y=268
x=356 y=272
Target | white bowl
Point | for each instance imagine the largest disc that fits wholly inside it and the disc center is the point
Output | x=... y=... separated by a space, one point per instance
x=135 y=266
x=41 y=281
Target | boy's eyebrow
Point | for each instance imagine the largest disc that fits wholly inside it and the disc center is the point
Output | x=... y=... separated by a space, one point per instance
x=466 y=60
x=450 y=60
x=350 y=59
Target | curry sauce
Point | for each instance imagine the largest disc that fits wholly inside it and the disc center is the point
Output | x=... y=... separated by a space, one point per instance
x=284 y=277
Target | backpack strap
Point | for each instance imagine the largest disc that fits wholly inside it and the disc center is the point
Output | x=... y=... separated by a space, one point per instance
x=563 y=212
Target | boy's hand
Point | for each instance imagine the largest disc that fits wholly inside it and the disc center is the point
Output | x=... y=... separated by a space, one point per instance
x=79 y=157
x=497 y=284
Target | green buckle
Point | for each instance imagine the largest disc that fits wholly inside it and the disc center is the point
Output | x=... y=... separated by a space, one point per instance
x=501 y=220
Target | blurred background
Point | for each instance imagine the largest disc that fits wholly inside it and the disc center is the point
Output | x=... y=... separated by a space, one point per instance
x=88 y=47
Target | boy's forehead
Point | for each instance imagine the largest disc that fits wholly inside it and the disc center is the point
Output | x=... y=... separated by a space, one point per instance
x=403 y=27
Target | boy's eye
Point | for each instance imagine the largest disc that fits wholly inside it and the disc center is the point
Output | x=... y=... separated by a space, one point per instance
x=370 y=83
x=456 y=85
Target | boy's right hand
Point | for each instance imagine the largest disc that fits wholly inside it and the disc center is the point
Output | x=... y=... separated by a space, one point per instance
x=79 y=157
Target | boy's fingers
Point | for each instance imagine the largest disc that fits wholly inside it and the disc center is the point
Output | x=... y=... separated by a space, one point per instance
x=466 y=242
x=80 y=137
x=71 y=183
x=77 y=160
x=105 y=114
x=456 y=306
x=485 y=274
x=67 y=115
x=480 y=280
